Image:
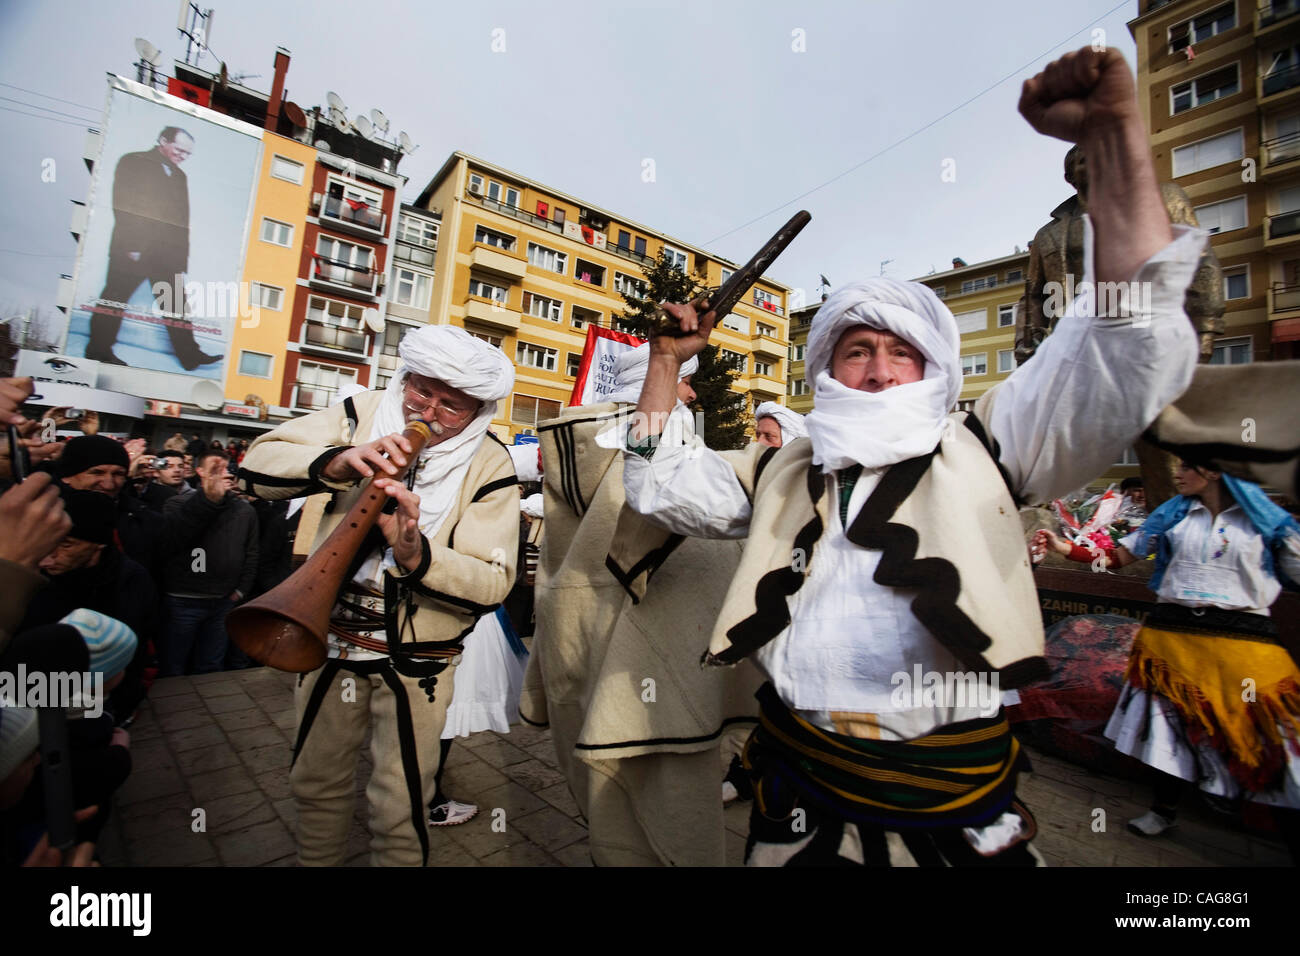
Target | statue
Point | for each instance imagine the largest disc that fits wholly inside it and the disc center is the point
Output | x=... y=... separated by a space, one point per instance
x=1056 y=256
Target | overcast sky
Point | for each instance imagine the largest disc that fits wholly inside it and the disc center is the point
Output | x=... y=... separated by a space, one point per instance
x=748 y=110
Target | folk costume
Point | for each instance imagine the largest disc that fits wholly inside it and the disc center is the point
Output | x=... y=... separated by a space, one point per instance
x=395 y=635
x=1185 y=711
x=885 y=552
x=624 y=610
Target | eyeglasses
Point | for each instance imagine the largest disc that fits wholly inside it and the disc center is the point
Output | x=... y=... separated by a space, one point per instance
x=447 y=414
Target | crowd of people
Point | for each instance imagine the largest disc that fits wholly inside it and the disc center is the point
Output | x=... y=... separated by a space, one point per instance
x=706 y=625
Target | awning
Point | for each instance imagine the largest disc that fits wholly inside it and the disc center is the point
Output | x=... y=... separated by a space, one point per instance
x=1286 y=330
x=64 y=394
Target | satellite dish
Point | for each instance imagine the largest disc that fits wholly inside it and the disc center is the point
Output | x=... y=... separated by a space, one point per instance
x=335 y=103
x=340 y=120
x=363 y=127
x=207 y=394
x=380 y=120
x=374 y=321
x=408 y=147
x=294 y=114
x=148 y=52
x=322 y=144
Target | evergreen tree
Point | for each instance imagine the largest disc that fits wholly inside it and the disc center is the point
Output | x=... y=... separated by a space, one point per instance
x=725 y=415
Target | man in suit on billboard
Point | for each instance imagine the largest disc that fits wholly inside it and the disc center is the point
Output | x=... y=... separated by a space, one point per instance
x=151 y=243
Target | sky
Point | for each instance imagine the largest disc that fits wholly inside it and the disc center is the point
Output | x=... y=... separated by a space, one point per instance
x=894 y=123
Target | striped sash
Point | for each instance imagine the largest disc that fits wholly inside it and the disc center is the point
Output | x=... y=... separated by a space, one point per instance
x=963 y=775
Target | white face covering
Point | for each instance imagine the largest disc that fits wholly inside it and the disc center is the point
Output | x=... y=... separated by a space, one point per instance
x=848 y=426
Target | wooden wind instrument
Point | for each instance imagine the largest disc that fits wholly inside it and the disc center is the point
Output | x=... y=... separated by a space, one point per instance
x=286 y=627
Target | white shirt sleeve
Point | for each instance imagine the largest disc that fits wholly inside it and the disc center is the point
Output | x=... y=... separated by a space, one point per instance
x=1095 y=384
x=1288 y=556
x=687 y=489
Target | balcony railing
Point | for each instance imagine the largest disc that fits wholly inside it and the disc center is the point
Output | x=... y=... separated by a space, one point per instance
x=345 y=274
x=1286 y=298
x=767 y=305
x=341 y=210
x=1283 y=149
x=335 y=337
x=420 y=255
x=1279 y=80
x=1283 y=224
x=514 y=212
x=628 y=253
x=314 y=397
x=1271 y=13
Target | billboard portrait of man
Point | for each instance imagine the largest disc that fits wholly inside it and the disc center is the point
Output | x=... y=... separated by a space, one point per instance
x=158 y=285
x=151 y=243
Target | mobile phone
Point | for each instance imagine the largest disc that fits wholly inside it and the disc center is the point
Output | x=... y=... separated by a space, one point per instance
x=75 y=414
x=57 y=774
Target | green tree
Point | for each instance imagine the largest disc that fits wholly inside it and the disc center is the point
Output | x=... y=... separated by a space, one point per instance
x=725 y=416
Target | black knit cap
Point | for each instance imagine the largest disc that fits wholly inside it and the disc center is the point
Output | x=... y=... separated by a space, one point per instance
x=93 y=515
x=87 y=451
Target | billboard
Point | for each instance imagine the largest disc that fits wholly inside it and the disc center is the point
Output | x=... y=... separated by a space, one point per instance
x=158 y=282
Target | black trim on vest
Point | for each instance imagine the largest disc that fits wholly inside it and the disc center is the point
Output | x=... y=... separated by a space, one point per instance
x=350 y=410
x=315 y=468
x=771 y=610
x=568 y=473
x=651 y=562
x=251 y=478
x=331 y=667
x=976 y=428
x=530 y=723
x=410 y=760
x=470 y=606
x=1228 y=452
x=656 y=741
x=763 y=460
x=492 y=486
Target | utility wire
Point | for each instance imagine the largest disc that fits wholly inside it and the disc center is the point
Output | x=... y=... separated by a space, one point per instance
x=83 y=124
x=37 y=255
x=44 y=109
x=20 y=89
x=876 y=155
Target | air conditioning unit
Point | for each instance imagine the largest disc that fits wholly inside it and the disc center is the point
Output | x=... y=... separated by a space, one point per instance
x=476 y=189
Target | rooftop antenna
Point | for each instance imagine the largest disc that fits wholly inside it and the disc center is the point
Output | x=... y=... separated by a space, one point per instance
x=335 y=102
x=407 y=146
x=883 y=263
x=196 y=26
x=150 y=57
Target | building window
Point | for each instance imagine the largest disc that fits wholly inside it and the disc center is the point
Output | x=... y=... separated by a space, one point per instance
x=277 y=233
x=581 y=318
x=417 y=231
x=548 y=259
x=1204 y=89
x=797 y=352
x=620 y=324
x=1130 y=457
x=266 y=296
x=976 y=320
x=940 y=291
x=1208 y=24
x=412 y=288
x=1006 y=315
x=286 y=169
x=318 y=384
x=1006 y=360
x=1015 y=275
x=490 y=237
x=536 y=356
x=488 y=337
x=588 y=272
x=675 y=256
x=486 y=290
x=766 y=300
x=1236 y=283
x=335 y=325
x=388 y=357
x=1223 y=216
x=255 y=364
x=627 y=285
x=542 y=307
x=531 y=410
x=762 y=328
x=799 y=386
x=1232 y=351
x=348 y=202
x=976 y=364
x=974 y=285
x=727 y=274
x=1207 y=153
x=734 y=359
x=762 y=368
x=572 y=361
x=736 y=323
x=496 y=192
x=624 y=239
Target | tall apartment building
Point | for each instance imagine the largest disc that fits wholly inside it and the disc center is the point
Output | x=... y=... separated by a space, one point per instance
x=1219 y=86
x=799 y=389
x=527 y=268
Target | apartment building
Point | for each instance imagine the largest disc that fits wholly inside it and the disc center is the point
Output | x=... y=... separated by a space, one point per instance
x=1219 y=85
x=528 y=268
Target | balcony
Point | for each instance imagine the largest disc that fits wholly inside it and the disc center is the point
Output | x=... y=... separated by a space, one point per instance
x=1271 y=14
x=1282 y=229
x=766 y=385
x=1284 y=300
x=1278 y=81
x=767 y=305
x=640 y=258
x=514 y=212
x=1280 y=154
x=310 y=398
x=492 y=260
x=330 y=274
x=319 y=335
x=769 y=346
x=417 y=255
x=494 y=314
x=353 y=217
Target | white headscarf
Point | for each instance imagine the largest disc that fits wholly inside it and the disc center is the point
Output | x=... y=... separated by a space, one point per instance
x=631 y=368
x=789 y=421
x=849 y=426
x=525 y=460
x=453 y=356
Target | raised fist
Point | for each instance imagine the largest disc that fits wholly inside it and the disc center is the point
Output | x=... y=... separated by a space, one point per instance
x=1080 y=94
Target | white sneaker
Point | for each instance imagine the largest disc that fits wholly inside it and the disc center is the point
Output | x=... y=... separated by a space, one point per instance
x=1151 y=824
x=451 y=813
x=729 y=792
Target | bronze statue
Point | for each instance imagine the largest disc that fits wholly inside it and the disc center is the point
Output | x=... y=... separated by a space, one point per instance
x=1056 y=256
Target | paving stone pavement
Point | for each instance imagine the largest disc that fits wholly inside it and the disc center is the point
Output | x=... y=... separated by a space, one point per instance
x=214 y=750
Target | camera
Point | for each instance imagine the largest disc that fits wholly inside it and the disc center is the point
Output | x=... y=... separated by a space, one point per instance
x=75 y=414
x=160 y=462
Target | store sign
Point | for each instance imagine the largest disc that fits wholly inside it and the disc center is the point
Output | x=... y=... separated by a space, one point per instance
x=156 y=406
x=240 y=410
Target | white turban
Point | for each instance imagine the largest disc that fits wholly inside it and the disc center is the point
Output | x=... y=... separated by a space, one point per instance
x=532 y=505
x=630 y=369
x=789 y=421
x=525 y=459
x=849 y=426
x=450 y=354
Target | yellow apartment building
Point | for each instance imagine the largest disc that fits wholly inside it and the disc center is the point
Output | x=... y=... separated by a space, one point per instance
x=257 y=346
x=799 y=391
x=528 y=268
x=1219 y=85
